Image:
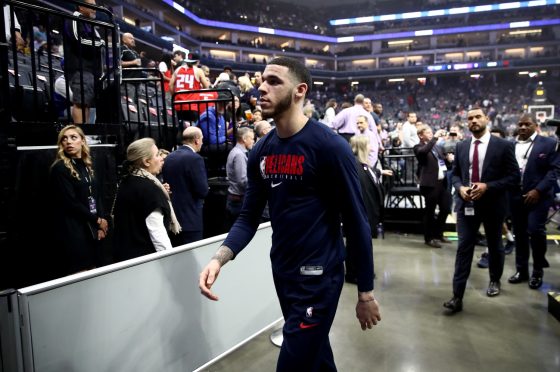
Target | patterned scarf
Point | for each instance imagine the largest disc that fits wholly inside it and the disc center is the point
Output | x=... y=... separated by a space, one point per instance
x=175 y=227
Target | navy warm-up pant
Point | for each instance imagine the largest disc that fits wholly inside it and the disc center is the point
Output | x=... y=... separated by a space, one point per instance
x=309 y=305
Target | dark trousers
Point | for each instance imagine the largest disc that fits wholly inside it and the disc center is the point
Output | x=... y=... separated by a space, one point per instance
x=435 y=196
x=234 y=203
x=467 y=229
x=529 y=229
x=185 y=237
x=309 y=306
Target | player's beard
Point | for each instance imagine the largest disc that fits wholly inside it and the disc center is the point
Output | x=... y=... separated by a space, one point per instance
x=480 y=128
x=283 y=105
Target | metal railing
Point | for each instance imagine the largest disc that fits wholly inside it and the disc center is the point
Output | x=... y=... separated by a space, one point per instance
x=29 y=75
x=145 y=109
x=214 y=112
x=403 y=190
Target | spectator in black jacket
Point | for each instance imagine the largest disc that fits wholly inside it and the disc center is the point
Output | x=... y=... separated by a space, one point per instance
x=432 y=169
x=82 y=57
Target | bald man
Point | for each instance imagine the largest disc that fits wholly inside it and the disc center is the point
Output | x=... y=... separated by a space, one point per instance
x=345 y=121
x=262 y=128
x=130 y=59
x=185 y=172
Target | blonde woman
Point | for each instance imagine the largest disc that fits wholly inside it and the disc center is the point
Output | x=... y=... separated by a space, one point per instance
x=249 y=94
x=77 y=213
x=143 y=213
x=371 y=193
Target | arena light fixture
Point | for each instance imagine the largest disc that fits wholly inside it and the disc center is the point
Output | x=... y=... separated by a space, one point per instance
x=523 y=73
x=482 y=8
x=396 y=80
x=355 y=83
x=513 y=5
x=388 y=17
x=520 y=24
x=346 y=39
x=265 y=30
x=318 y=83
x=462 y=10
x=515 y=51
x=475 y=76
x=400 y=42
x=129 y=21
x=524 y=32
x=542 y=71
x=536 y=3
x=423 y=33
x=179 y=7
x=411 y=15
x=436 y=13
x=363 y=61
x=536 y=49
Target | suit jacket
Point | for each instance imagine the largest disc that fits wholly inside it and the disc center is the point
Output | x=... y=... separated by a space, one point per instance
x=500 y=172
x=542 y=167
x=428 y=164
x=185 y=172
x=371 y=193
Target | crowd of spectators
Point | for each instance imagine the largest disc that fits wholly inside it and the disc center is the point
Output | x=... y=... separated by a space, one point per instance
x=442 y=102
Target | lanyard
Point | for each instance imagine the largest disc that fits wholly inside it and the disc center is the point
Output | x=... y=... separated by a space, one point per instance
x=528 y=149
x=86 y=176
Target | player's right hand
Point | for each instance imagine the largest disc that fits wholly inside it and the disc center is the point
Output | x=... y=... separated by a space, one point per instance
x=207 y=278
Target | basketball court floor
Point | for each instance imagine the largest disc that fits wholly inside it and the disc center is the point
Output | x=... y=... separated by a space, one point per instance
x=511 y=332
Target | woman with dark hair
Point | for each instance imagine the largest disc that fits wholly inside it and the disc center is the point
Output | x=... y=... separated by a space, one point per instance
x=143 y=213
x=77 y=214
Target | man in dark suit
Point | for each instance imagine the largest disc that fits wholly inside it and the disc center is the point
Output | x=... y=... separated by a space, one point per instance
x=432 y=170
x=484 y=169
x=185 y=172
x=531 y=200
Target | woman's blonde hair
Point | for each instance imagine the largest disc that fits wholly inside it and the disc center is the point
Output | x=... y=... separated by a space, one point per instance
x=86 y=154
x=138 y=151
x=244 y=83
x=359 y=146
